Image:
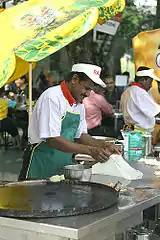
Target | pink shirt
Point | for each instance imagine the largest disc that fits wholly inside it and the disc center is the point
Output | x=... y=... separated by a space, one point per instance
x=95 y=105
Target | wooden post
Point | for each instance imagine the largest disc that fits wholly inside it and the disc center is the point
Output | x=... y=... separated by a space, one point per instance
x=30 y=90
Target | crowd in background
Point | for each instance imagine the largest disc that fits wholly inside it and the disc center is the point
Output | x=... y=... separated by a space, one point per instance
x=99 y=107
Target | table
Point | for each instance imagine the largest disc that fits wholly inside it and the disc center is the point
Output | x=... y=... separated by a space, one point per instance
x=102 y=225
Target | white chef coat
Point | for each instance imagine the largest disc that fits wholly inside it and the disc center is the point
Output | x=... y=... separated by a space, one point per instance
x=139 y=108
x=46 y=119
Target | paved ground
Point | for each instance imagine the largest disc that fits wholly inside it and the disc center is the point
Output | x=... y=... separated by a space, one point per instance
x=10 y=164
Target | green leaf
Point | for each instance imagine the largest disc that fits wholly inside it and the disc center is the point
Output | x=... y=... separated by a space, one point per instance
x=21 y=52
x=46 y=40
x=54 y=43
x=36 y=42
x=4 y=72
x=112 y=10
x=42 y=55
x=45 y=49
x=31 y=55
x=58 y=38
x=29 y=47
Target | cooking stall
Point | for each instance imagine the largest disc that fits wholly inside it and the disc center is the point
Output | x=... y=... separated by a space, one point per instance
x=43 y=217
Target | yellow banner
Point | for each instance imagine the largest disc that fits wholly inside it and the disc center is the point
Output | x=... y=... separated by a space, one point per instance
x=1 y=10
x=146 y=47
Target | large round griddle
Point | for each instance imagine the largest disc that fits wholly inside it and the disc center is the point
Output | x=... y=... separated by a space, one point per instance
x=44 y=199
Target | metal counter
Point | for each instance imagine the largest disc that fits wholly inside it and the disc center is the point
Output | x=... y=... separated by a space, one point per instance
x=101 y=225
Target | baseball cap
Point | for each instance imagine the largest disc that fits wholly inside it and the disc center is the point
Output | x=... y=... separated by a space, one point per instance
x=92 y=71
x=147 y=73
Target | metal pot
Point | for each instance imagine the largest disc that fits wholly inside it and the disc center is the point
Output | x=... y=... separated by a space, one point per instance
x=147 y=139
x=74 y=171
x=133 y=234
x=142 y=236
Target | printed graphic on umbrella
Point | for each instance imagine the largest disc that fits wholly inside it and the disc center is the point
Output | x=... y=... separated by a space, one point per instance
x=35 y=29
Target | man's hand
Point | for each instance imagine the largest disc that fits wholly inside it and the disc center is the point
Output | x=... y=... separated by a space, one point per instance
x=100 y=154
x=112 y=148
x=88 y=140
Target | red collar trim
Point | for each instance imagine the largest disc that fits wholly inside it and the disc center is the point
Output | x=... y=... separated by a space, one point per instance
x=67 y=93
x=137 y=84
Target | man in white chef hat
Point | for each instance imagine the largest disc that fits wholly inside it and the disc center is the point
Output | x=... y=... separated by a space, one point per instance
x=138 y=107
x=57 y=120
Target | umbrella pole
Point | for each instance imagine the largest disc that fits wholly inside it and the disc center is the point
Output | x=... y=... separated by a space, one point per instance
x=30 y=90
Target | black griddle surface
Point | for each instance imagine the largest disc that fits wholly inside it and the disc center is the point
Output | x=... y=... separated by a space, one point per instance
x=66 y=198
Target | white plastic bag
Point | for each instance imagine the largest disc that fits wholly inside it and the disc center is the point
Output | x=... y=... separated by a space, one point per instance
x=118 y=167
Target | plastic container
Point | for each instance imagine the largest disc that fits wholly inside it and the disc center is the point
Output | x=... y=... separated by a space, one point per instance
x=133 y=146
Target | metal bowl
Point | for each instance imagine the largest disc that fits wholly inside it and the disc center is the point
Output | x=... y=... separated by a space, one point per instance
x=74 y=171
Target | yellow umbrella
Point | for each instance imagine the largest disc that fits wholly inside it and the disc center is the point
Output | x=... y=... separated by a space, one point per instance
x=37 y=28
x=146 y=48
x=1 y=10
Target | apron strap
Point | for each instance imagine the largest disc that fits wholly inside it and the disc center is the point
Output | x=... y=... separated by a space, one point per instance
x=27 y=155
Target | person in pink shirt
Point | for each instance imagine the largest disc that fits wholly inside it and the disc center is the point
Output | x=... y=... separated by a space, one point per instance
x=95 y=106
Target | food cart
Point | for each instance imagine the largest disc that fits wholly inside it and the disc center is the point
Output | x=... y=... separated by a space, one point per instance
x=103 y=225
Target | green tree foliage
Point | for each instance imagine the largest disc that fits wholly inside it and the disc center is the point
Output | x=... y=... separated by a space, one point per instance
x=135 y=20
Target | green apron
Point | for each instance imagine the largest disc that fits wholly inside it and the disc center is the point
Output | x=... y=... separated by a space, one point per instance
x=45 y=161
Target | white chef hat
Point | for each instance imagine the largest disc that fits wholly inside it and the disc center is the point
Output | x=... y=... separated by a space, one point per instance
x=92 y=71
x=147 y=73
